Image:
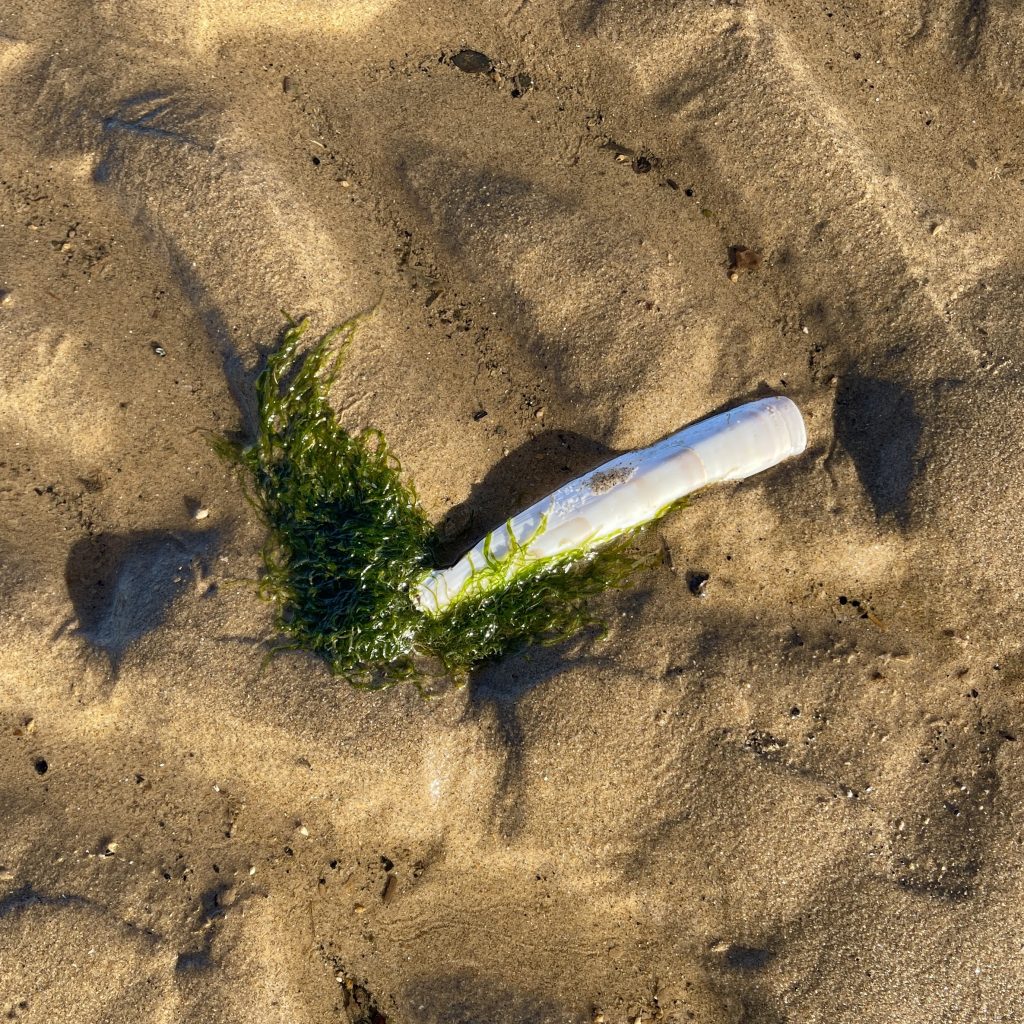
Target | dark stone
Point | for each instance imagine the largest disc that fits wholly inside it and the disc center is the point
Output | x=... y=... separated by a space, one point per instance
x=472 y=62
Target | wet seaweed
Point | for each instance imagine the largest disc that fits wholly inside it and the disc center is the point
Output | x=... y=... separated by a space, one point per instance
x=348 y=542
x=544 y=602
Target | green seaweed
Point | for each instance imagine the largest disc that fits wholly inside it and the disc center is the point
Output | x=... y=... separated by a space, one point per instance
x=543 y=602
x=348 y=542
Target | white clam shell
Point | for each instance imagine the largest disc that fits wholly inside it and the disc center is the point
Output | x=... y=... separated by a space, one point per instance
x=632 y=490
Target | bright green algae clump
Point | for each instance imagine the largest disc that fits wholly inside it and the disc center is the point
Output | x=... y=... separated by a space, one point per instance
x=348 y=542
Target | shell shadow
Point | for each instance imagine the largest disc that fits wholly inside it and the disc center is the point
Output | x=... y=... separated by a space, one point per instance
x=525 y=475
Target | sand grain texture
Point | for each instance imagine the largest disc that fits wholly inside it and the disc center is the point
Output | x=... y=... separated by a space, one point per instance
x=795 y=798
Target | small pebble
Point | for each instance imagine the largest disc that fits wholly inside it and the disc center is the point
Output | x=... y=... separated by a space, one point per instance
x=359 y=909
x=523 y=84
x=472 y=62
x=158 y=349
x=5 y=296
x=742 y=258
x=303 y=831
x=201 y=513
x=697 y=582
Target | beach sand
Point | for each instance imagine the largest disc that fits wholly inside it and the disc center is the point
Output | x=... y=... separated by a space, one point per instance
x=794 y=796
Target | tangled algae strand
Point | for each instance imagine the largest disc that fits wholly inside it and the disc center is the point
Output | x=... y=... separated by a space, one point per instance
x=349 y=547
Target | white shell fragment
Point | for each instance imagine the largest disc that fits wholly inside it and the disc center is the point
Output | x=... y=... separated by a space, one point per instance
x=631 y=490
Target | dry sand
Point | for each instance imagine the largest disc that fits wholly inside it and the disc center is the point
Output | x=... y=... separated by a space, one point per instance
x=796 y=798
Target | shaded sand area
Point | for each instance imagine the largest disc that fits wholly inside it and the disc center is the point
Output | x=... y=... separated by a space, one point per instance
x=792 y=793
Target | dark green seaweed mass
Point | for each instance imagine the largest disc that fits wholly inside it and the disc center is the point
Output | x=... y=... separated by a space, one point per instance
x=347 y=541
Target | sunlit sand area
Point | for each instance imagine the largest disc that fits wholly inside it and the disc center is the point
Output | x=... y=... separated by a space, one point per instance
x=784 y=782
